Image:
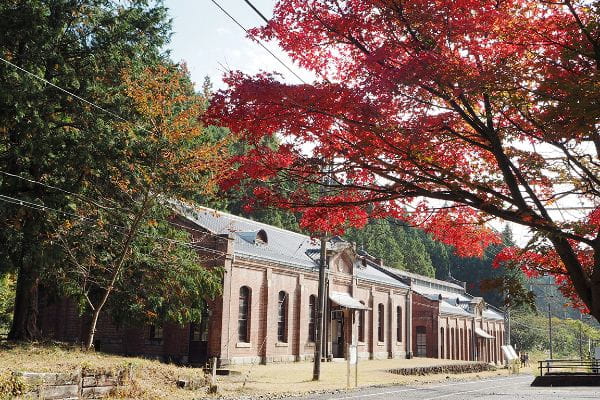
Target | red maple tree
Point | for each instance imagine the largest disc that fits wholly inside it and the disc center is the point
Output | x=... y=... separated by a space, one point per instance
x=444 y=113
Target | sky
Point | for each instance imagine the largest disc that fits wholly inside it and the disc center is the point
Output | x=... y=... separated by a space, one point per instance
x=211 y=43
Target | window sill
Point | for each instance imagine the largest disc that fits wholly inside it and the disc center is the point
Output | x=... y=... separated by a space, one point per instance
x=310 y=344
x=361 y=344
x=243 y=344
x=281 y=344
x=398 y=343
x=380 y=343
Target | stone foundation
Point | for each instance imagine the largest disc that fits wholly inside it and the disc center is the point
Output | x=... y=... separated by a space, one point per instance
x=83 y=384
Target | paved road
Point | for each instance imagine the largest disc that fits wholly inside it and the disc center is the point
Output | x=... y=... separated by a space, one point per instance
x=505 y=388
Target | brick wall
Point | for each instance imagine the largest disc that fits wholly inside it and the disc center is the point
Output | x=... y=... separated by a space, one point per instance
x=425 y=315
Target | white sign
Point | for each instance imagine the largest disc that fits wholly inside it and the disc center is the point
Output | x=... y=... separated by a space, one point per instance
x=509 y=353
x=352 y=354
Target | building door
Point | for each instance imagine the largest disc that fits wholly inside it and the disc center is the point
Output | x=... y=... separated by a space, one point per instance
x=421 y=341
x=337 y=334
x=198 y=349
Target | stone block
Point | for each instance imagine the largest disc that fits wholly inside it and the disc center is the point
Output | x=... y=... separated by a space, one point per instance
x=96 y=392
x=59 y=392
x=100 y=380
x=50 y=378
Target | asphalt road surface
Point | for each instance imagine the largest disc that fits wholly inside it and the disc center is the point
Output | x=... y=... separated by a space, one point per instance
x=504 y=388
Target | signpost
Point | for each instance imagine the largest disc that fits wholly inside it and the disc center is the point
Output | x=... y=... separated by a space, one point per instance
x=352 y=360
x=512 y=358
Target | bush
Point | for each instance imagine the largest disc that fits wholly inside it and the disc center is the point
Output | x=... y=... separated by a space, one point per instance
x=7 y=301
x=11 y=386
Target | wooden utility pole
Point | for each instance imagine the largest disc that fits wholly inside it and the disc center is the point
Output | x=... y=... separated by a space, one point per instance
x=320 y=312
x=322 y=300
x=550 y=329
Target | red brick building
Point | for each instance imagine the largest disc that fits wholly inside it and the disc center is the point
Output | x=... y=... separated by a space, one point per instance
x=267 y=310
x=449 y=323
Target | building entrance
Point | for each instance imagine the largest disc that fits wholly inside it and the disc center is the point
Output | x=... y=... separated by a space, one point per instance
x=337 y=334
x=198 y=349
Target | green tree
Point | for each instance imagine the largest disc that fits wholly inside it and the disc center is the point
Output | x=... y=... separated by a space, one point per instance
x=416 y=258
x=48 y=136
x=7 y=301
x=166 y=156
x=377 y=238
x=440 y=255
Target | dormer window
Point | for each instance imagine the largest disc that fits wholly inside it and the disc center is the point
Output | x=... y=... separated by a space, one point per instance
x=256 y=237
x=261 y=237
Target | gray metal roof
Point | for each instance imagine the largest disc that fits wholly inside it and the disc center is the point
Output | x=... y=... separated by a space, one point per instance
x=282 y=246
x=447 y=308
x=428 y=283
x=300 y=251
x=490 y=313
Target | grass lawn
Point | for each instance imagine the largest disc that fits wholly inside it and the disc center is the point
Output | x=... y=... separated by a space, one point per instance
x=297 y=377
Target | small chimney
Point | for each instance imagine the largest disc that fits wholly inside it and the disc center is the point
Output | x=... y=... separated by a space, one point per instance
x=380 y=262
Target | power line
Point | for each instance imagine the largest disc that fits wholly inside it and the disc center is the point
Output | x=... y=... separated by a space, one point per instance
x=82 y=197
x=258 y=41
x=40 y=207
x=111 y=113
x=90 y=200
x=257 y=11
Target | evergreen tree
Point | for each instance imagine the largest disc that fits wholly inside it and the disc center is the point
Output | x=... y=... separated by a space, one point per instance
x=416 y=257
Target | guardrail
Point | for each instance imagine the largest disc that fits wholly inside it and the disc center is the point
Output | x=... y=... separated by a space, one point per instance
x=569 y=367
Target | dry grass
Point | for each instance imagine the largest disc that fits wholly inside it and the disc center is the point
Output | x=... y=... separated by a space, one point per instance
x=152 y=379
x=277 y=379
x=155 y=380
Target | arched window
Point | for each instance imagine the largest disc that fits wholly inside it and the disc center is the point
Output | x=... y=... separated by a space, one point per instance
x=380 y=322
x=312 y=318
x=456 y=345
x=244 y=315
x=399 y=323
x=452 y=347
x=421 y=341
x=442 y=355
x=361 y=324
x=282 y=310
x=469 y=344
x=461 y=340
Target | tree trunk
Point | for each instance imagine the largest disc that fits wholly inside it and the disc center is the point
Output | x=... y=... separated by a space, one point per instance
x=117 y=269
x=24 y=325
x=92 y=332
x=595 y=289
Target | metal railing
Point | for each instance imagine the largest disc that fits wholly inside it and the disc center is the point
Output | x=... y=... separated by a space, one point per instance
x=569 y=367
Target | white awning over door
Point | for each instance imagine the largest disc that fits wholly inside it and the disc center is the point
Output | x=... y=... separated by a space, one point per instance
x=483 y=334
x=345 y=300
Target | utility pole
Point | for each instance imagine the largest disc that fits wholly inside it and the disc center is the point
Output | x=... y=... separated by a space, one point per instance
x=507 y=320
x=321 y=307
x=550 y=329
x=321 y=299
x=580 y=336
x=508 y=326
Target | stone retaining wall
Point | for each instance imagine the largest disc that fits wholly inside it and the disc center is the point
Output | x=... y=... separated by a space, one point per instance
x=83 y=384
x=444 y=369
